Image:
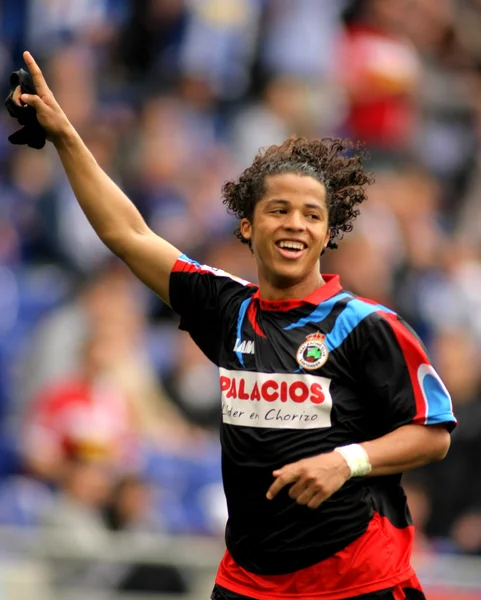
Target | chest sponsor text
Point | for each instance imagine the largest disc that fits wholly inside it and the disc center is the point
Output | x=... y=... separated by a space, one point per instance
x=277 y=400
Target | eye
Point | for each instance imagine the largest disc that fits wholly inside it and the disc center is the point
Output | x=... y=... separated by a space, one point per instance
x=314 y=216
x=279 y=211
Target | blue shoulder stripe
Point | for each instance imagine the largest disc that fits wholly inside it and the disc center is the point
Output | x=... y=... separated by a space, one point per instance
x=355 y=312
x=321 y=311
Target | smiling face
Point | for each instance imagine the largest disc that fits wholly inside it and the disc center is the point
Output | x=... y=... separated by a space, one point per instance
x=288 y=232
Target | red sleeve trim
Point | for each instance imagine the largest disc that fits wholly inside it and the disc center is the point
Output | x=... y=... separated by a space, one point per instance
x=414 y=356
x=182 y=266
x=185 y=265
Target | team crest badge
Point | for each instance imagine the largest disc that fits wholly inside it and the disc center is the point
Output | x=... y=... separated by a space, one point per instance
x=313 y=353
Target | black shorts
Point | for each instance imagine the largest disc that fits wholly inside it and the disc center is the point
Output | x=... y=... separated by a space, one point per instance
x=220 y=593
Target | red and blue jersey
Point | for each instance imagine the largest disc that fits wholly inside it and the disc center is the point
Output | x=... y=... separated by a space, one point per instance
x=297 y=379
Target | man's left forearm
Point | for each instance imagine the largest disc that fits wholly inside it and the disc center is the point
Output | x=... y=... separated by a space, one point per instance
x=406 y=448
x=313 y=480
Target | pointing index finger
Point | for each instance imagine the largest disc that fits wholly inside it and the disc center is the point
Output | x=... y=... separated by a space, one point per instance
x=279 y=483
x=37 y=76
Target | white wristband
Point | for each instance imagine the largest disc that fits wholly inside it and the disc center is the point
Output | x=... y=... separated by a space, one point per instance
x=357 y=459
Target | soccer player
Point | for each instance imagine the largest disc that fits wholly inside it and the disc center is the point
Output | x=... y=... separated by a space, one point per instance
x=326 y=397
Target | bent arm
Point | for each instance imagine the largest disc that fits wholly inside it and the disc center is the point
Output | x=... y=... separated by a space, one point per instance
x=406 y=448
x=316 y=478
x=114 y=217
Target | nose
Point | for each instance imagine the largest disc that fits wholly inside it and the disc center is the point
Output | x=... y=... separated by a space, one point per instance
x=294 y=221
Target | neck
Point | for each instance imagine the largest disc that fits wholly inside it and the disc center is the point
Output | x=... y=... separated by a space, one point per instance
x=288 y=290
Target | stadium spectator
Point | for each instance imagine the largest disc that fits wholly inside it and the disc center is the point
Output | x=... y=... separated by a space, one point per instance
x=130 y=511
x=86 y=416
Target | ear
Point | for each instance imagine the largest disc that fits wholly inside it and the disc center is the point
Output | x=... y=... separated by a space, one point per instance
x=246 y=229
x=326 y=241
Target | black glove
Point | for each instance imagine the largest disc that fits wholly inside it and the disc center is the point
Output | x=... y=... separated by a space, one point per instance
x=32 y=133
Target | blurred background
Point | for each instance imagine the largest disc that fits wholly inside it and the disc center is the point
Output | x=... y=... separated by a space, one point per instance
x=109 y=454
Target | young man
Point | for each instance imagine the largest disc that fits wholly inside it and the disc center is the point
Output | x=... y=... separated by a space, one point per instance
x=326 y=397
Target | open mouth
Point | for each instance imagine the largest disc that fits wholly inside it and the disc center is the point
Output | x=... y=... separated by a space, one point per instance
x=291 y=249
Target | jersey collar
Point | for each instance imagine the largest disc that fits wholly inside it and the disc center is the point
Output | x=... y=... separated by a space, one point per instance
x=331 y=287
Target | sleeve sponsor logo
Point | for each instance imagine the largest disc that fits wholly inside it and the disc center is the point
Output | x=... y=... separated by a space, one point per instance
x=437 y=399
x=276 y=400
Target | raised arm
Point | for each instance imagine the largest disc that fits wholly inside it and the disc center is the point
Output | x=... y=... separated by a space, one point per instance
x=114 y=217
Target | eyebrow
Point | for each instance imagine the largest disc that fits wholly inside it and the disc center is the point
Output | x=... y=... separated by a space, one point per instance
x=287 y=203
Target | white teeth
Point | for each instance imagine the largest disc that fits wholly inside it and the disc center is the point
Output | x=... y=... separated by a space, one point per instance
x=291 y=245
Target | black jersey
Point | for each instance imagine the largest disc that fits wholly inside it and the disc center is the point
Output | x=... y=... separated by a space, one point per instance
x=299 y=378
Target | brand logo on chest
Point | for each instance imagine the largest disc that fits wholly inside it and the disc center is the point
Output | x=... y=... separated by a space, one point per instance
x=244 y=347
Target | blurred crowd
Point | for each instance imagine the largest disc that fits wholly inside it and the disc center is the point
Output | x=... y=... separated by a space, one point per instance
x=98 y=388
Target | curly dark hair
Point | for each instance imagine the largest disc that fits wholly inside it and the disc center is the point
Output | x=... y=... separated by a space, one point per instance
x=335 y=162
